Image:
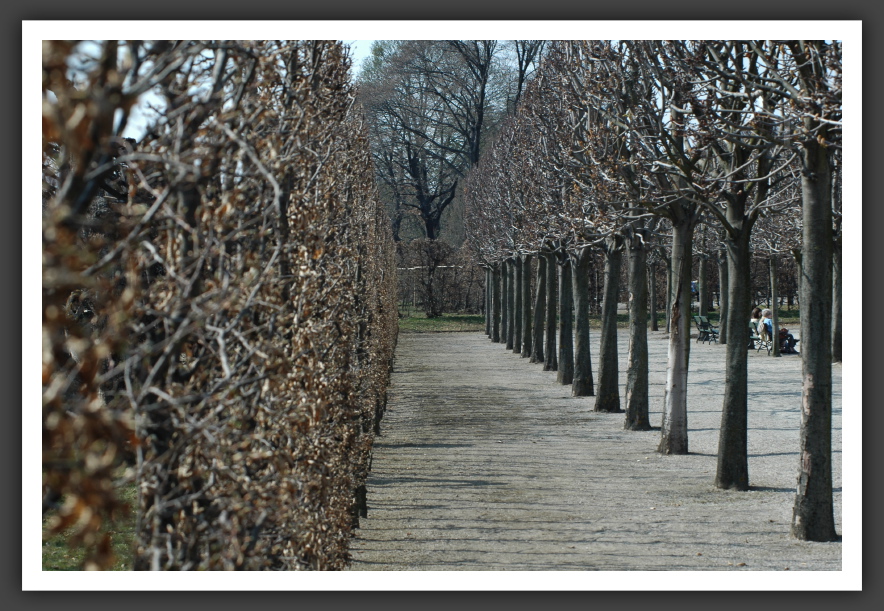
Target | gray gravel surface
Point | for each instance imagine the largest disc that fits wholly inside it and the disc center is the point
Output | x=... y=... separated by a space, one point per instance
x=486 y=463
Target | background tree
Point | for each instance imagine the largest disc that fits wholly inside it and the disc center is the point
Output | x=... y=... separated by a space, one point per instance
x=433 y=104
x=527 y=54
x=418 y=154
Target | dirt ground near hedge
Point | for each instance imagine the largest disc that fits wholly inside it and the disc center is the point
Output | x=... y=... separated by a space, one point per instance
x=486 y=463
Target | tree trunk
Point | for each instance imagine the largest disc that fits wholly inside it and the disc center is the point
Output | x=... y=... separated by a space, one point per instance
x=510 y=304
x=517 y=310
x=504 y=302
x=539 y=312
x=733 y=466
x=774 y=298
x=836 y=301
x=495 y=303
x=551 y=361
x=526 y=306
x=596 y=302
x=637 y=418
x=674 y=430
x=608 y=393
x=703 y=288
x=488 y=298
x=724 y=300
x=813 y=514
x=669 y=296
x=582 y=385
x=565 y=374
x=653 y=297
x=769 y=298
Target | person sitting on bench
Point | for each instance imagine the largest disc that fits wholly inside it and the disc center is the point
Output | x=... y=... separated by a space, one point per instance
x=767 y=321
x=787 y=342
x=755 y=318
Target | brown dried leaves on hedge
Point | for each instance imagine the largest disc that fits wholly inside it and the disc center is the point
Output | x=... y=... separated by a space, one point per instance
x=218 y=304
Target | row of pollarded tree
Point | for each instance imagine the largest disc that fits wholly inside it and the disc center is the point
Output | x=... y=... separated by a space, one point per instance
x=219 y=311
x=710 y=271
x=617 y=143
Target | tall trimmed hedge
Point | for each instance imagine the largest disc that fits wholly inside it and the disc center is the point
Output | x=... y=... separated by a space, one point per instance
x=219 y=310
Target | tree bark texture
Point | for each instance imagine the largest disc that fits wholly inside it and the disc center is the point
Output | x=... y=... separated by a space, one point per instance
x=733 y=464
x=539 y=312
x=582 y=385
x=674 y=430
x=526 y=307
x=637 y=418
x=565 y=372
x=703 y=287
x=836 y=302
x=510 y=303
x=596 y=303
x=774 y=299
x=488 y=299
x=550 y=363
x=504 y=302
x=813 y=514
x=608 y=392
x=495 y=304
x=517 y=309
x=652 y=284
x=669 y=295
x=724 y=300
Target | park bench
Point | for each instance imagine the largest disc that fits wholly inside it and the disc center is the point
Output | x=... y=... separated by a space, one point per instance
x=706 y=330
x=759 y=339
x=712 y=329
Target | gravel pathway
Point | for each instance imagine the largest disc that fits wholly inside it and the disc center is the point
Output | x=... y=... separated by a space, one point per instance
x=486 y=463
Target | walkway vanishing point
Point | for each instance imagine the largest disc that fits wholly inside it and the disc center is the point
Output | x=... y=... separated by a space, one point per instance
x=486 y=463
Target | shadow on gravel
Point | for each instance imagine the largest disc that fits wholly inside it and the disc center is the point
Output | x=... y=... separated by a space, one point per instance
x=571 y=488
x=792 y=394
x=454 y=483
x=769 y=489
x=427 y=445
